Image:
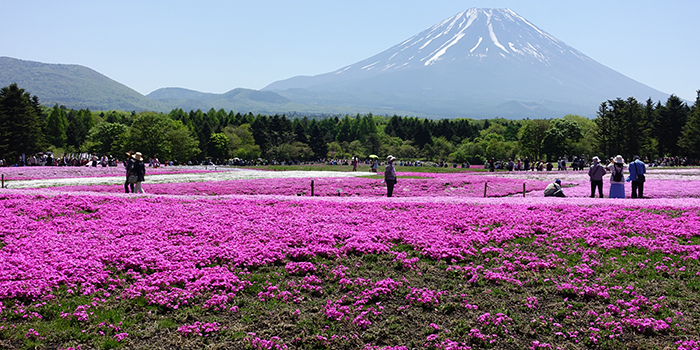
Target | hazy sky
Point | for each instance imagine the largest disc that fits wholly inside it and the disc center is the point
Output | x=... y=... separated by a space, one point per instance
x=216 y=46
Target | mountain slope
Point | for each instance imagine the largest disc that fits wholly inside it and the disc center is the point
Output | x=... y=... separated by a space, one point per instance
x=478 y=63
x=73 y=86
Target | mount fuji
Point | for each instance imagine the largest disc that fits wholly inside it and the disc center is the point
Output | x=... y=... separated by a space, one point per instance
x=480 y=63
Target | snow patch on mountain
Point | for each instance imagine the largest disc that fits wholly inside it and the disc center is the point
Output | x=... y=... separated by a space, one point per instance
x=477 y=45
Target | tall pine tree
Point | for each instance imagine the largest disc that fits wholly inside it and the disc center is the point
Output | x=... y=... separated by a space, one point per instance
x=690 y=137
x=56 y=127
x=20 y=123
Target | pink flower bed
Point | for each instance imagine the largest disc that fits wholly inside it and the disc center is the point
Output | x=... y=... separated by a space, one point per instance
x=653 y=188
x=63 y=172
x=441 y=185
x=198 y=251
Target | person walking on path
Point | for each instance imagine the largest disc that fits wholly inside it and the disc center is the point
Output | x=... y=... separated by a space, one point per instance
x=596 y=173
x=637 y=170
x=140 y=171
x=554 y=189
x=390 y=176
x=617 y=179
x=129 y=164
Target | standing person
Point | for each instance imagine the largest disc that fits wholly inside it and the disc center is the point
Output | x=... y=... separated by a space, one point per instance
x=554 y=189
x=596 y=173
x=390 y=175
x=637 y=170
x=354 y=163
x=375 y=165
x=617 y=180
x=139 y=170
x=129 y=165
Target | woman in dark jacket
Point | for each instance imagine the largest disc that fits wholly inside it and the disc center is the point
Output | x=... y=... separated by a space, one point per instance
x=129 y=164
x=139 y=170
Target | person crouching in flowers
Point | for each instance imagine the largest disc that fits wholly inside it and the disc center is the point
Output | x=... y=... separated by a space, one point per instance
x=554 y=189
x=140 y=171
x=390 y=175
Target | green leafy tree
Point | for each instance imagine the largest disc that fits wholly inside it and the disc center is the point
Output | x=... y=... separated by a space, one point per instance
x=181 y=142
x=108 y=138
x=56 y=126
x=559 y=137
x=241 y=142
x=156 y=134
x=20 y=123
x=586 y=143
x=218 y=146
x=530 y=137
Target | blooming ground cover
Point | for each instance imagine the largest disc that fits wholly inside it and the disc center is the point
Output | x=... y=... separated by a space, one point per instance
x=61 y=172
x=409 y=185
x=102 y=270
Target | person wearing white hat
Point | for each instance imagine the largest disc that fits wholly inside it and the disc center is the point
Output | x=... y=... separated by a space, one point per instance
x=617 y=179
x=390 y=175
x=596 y=173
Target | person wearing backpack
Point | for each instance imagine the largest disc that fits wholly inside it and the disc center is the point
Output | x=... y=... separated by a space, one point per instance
x=637 y=170
x=596 y=173
x=617 y=179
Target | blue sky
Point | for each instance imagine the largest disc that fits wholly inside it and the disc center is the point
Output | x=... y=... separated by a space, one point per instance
x=216 y=46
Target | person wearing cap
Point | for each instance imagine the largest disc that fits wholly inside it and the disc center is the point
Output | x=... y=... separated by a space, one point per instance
x=139 y=170
x=554 y=189
x=129 y=164
x=390 y=175
x=617 y=179
x=637 y=170
x=596 y=173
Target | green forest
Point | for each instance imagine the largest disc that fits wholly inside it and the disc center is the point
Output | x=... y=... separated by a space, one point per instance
x=650 y=129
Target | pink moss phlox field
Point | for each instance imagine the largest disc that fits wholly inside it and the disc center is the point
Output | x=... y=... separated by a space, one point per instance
x=442 y=185
x=198 y=251
x=63 y=172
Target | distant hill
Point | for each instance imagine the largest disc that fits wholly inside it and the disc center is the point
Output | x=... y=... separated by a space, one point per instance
x=243 y=100
x=73 y=86
x=480 y=63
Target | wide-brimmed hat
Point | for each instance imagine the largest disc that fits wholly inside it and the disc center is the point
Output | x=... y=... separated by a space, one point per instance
x=138 y=156
x=619 y=159
x=390 y=158
x=596 y=159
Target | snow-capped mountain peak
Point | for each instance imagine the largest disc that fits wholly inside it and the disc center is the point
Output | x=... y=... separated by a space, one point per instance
x=474 y=33
x=480 y=63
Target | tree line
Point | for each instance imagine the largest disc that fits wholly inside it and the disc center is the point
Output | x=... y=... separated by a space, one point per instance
x=626 y=127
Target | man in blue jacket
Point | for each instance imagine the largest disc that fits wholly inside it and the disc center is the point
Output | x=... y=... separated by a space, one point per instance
x=637 y=170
